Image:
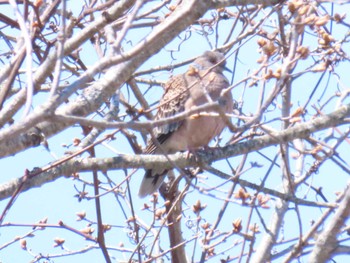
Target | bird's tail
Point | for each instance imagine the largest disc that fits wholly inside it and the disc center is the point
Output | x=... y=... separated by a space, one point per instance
x=151 y=182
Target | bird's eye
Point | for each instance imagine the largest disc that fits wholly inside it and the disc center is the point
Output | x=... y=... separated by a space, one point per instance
x=213 y=60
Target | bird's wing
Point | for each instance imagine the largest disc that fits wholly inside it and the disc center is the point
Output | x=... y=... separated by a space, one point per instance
x=173 y=102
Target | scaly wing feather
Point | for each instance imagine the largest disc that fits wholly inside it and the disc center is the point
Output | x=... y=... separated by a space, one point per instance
x=172 y=103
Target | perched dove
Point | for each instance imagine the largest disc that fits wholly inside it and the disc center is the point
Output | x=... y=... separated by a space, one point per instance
x=202 y=83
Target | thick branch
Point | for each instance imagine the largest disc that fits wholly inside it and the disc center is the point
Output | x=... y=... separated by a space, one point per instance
x=15 y=138
x=326 y=242
x=181 y=160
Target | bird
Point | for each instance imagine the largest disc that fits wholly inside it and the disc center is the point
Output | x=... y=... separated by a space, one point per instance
x=203 y=82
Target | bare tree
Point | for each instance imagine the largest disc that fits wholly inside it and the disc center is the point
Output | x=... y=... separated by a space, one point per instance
x=272 y=186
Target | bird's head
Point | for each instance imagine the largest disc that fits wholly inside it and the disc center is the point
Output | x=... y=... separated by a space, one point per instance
x=211 y=59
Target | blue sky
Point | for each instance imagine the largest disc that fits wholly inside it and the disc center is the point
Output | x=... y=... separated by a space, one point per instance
x=57 y=202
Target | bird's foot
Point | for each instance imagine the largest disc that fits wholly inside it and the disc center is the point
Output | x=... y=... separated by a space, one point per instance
x=193 y=172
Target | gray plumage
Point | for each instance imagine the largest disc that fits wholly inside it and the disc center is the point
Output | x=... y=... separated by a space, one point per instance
x=182 y=92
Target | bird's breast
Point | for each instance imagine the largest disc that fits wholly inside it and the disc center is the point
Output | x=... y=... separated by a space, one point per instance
x=197 y=131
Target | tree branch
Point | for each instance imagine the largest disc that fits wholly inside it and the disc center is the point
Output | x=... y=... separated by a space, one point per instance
x=181 y=160
x=327 y=242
